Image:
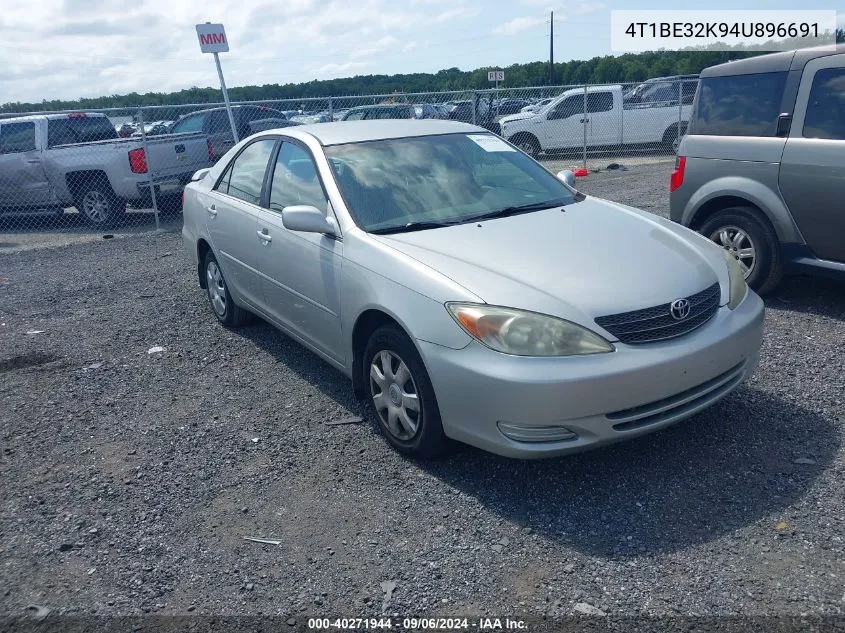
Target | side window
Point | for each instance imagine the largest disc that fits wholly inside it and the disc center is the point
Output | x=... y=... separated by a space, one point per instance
x=295 y=180
x=357 y=115
x=739 y=105
x=16 y=138
x=568 y=107
x=60 y=132
x=217 y=122
x=191 y=124
x=245 y=176
x=688 y=91
x=825 y=116
x=599 y=101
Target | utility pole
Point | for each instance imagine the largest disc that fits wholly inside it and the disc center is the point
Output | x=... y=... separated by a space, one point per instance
x=552 y=49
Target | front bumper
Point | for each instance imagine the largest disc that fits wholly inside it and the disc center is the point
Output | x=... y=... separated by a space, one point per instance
x=602 y=398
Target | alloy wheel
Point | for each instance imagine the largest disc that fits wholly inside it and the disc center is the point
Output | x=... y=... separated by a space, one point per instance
x=95 y=206
x=737 y=242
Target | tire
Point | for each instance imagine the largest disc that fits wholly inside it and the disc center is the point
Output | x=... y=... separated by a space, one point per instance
x=527 y=143
x=98 y=205
x=738 y=229
x=417 y=433
x=220 y=300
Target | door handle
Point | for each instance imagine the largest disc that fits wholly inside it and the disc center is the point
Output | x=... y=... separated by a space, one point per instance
x=211 y=211
x=264 y=236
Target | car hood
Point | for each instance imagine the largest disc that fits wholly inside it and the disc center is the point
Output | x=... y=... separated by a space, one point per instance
x=519 y=116
x=591 y=259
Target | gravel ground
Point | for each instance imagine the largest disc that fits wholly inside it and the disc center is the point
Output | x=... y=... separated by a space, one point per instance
x=131 y=479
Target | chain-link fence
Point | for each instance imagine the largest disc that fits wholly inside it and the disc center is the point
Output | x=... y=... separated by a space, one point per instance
x=100 y=170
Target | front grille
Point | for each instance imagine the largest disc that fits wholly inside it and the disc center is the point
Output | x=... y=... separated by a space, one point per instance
x=657 y=323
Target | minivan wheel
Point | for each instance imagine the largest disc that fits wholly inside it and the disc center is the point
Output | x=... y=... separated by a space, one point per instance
x=401 y=395
x=751 y=241
x=219 y=298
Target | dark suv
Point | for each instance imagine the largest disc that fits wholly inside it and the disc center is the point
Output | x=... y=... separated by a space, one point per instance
x=761 y=171
x=215 y=123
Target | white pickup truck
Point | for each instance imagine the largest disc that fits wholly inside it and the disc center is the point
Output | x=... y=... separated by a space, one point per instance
x=54 y=161
x=610 y=121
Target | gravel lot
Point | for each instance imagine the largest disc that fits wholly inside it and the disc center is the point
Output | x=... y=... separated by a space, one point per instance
x=130 y=479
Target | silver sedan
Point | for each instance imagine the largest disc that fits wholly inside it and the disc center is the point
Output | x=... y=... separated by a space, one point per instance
x=468 y=293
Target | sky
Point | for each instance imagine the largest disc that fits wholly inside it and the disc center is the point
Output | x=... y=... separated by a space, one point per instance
x=68 y=49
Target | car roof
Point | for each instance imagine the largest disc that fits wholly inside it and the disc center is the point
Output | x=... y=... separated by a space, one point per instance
x=380 y=129
x=773 y=62
x=52 y=117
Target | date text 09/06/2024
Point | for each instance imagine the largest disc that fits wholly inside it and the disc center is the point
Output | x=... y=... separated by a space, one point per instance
x=417 y=624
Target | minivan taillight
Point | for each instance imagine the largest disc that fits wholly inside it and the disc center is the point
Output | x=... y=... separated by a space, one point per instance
x=138 y=161
x=677 y=178
x=210 y=151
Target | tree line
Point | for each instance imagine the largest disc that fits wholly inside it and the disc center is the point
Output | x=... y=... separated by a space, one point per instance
x=630 y=67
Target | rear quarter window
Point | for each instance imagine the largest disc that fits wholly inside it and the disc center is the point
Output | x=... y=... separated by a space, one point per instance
x=739 y=105
x=825 y=116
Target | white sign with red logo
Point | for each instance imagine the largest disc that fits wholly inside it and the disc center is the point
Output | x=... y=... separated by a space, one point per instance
x=212 y=38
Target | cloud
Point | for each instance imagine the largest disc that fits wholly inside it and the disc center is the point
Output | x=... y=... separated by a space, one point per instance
x=517 y=25
x=457 y=13
x=333 y=69
x=375 y=47
x=584 y=8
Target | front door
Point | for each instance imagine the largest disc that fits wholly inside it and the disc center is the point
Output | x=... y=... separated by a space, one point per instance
x=301 y=270
x=812 y=172
x=23 y=182
x=564 y=124
x=231 y=212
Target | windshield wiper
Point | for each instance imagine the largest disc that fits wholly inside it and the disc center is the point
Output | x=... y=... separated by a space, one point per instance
x=414 y=226
x=517 y=209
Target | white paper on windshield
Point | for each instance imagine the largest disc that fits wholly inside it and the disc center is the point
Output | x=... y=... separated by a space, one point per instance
x=490 y=143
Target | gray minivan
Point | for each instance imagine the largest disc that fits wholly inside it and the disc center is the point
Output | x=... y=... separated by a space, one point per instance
x=761 y=171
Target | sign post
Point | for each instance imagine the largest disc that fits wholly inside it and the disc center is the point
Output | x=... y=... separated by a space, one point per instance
x=497 y=76
x=212 y=38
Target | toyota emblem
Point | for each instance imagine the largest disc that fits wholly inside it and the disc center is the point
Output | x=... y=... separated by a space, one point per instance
x=679 y=309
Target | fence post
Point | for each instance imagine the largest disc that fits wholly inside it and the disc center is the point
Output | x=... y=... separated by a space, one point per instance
x=331 y=110
x=149 y=166
x=584 y=121
x=474 y=106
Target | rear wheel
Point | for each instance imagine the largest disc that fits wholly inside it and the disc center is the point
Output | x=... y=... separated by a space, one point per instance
x=401 y=394
x=222 y=304
x=751 y=241
x=97 y=203
x=672 y=137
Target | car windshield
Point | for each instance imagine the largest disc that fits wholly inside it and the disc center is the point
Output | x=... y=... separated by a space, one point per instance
x=409 y=183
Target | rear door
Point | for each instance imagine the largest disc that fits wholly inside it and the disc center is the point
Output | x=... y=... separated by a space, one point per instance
x=812 y=171
x=232 y=209
x=301 y=270
x=23 y=182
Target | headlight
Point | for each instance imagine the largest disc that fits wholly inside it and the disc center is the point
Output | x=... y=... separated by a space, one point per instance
x=736 y=277
x=523 y=333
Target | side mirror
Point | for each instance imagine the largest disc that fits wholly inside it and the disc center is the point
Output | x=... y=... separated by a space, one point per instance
x=567 y=177
x=200 y=174
x=308 y=219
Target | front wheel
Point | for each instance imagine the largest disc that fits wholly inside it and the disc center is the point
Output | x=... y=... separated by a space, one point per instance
x=527 y=144
x=401 y=394
x=750 y=240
